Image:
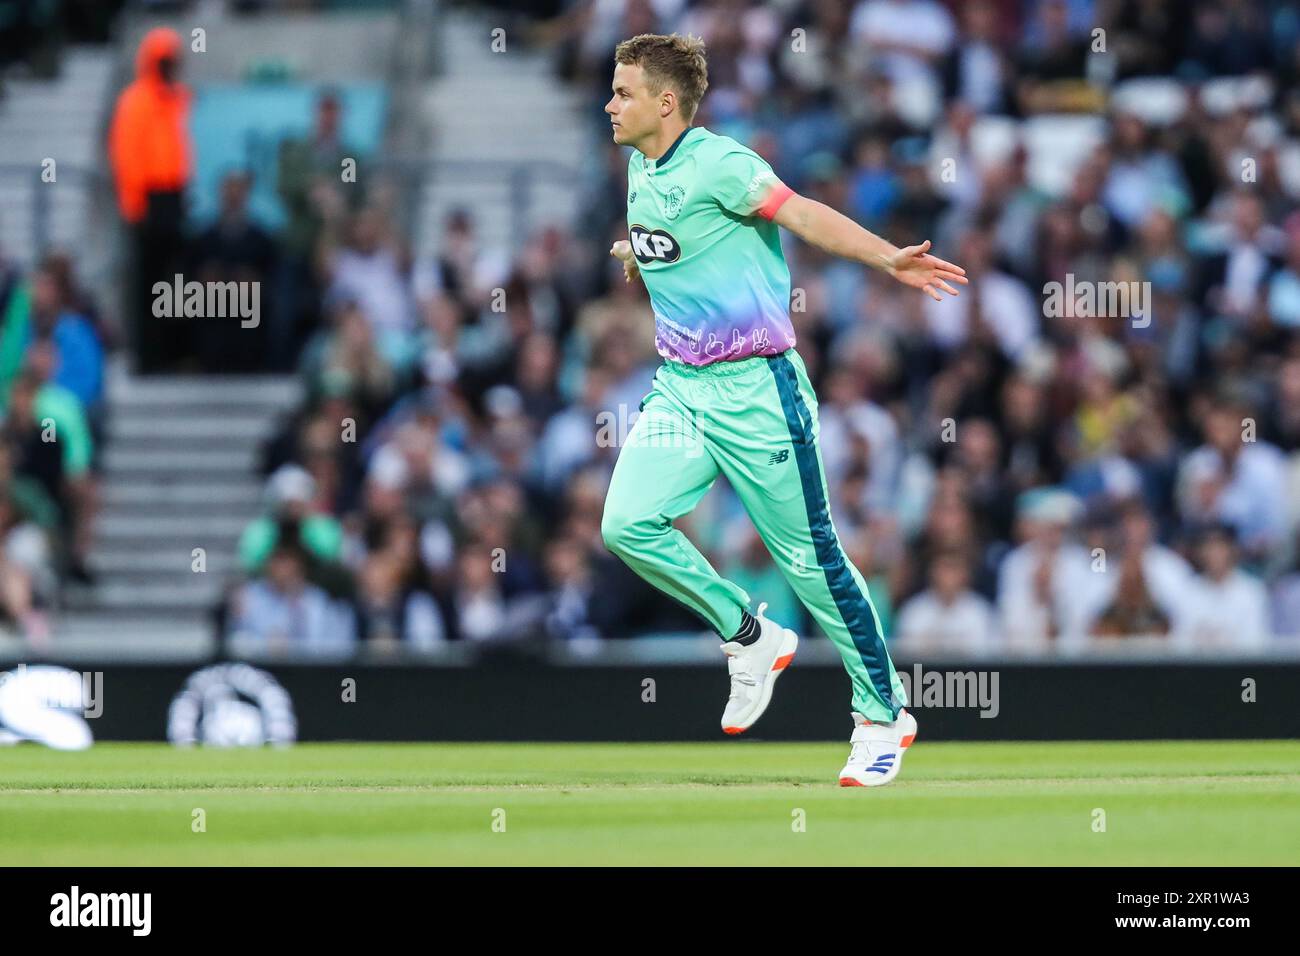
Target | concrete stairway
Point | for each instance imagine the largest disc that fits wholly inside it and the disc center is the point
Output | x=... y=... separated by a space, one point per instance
x=59 y=119
x=180 y=472
x=491 y=113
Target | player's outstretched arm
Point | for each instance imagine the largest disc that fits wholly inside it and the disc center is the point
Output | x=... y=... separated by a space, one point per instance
x=821 y=226
x=623 y=250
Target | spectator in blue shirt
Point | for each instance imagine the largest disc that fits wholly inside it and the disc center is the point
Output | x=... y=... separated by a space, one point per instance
x=79 y=362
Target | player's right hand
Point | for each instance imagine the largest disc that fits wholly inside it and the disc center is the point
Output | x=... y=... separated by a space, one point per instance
x=623 y=250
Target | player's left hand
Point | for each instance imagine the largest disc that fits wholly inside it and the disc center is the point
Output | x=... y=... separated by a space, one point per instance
x=914 y=266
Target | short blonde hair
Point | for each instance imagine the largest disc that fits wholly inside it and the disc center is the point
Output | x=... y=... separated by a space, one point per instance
x=669 y=62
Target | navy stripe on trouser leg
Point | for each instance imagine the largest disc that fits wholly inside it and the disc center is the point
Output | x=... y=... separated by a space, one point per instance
x=848 y=597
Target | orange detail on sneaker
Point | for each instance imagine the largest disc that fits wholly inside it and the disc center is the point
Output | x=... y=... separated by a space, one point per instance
x=781 y=663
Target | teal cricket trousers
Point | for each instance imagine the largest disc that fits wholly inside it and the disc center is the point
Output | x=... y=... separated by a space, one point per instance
x=754 y=421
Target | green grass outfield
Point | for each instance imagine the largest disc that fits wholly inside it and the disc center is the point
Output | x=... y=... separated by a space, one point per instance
x=727 y=803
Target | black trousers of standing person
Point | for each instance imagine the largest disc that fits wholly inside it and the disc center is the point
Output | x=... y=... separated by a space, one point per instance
x=161 y=343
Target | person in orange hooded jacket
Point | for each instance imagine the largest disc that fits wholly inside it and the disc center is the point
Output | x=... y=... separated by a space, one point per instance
x=148 y=144
x=149 y=152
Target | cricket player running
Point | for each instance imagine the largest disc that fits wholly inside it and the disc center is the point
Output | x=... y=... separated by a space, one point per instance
x=733 y=397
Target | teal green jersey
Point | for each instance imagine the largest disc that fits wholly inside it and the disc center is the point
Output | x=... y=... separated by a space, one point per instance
x=699 y=219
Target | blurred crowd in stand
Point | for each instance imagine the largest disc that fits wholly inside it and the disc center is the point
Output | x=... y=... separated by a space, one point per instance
x=1031 y=466
x=1007 y=475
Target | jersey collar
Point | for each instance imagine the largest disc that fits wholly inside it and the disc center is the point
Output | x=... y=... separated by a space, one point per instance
x=654 y=164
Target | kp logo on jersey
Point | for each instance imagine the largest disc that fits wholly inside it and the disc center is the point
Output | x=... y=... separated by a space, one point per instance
x=653 y=245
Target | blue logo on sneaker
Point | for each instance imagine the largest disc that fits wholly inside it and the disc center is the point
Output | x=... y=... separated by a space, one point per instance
x=882 y=764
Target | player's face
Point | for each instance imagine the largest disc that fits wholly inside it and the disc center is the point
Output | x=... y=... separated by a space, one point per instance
x=633 y=110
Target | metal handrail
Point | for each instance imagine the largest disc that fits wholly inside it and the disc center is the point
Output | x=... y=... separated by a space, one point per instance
x=42 y=194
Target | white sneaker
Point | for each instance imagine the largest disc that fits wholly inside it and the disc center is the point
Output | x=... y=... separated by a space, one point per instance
x=877 y=750
x=754 y=669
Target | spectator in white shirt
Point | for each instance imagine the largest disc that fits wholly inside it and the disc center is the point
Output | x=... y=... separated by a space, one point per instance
x=370 y=271
x=976 y=73
x=284 y=612
x=1131 y=612
x=947 y=617
x=1046 y=586
x=417 y=461
x=1165 y=577
x=480 y=604
x=1229 y=608
x=908 y=36
x=1236 y=480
